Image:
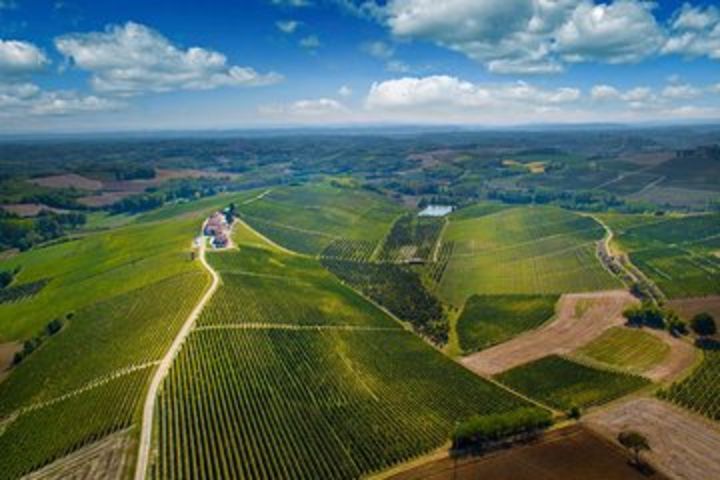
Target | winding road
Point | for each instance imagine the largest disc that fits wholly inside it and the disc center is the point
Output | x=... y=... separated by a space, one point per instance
x=164 y=367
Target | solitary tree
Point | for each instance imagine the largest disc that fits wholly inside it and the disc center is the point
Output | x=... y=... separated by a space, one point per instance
x=635 y=442
x=703 y=324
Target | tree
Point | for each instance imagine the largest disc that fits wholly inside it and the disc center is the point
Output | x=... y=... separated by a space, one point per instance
x=703 y=324
x=635 y=442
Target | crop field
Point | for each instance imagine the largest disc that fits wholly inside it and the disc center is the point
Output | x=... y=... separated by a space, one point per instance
x=676 y=253
x=305 y=404
x=538 y=250
x=626 y=348
x=562 y=383
x=411 y=237
x=488 y=320
x=308 y=219
x=39 y=436
x=700 y=392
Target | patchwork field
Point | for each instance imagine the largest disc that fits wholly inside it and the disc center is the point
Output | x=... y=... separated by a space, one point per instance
x=562 y=383
x=491 y=319
x=580 y=319
x=527 y=250
x=676 y=253
x=626 y=348
x=308 y=219
x=347 y=396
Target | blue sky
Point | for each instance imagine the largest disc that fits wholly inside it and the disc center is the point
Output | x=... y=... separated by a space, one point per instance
x=71 y=65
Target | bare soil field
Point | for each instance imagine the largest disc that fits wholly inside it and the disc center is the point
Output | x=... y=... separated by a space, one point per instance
x=29 y=209
x=67 y=181
x=683 y=446
x=7 y=351
x=580 y=318
x=681 y=358
x=689 y=307
x=649 y=158
x=569 y=454
x=104 y=199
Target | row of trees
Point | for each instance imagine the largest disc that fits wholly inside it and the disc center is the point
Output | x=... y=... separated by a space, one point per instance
x=653 y=316
x=483 y=431
x=29 y=346
x=23 y=233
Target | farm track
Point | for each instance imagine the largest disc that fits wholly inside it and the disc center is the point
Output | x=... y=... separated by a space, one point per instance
x=683 y=445
x=288 y=326
x=560 y=336
x=164 y=367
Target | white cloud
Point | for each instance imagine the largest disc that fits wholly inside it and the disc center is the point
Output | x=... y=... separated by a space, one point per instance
x=133 y=58
x=18 y=58
x=292 y=3
x=320 y=108
x=345 y=91
x=695 y=32
x=681 y=91
x=311 y=42
x=604 y=92
x=378 y=49
x=446 y=93
x=287 y=26
x=21 y=99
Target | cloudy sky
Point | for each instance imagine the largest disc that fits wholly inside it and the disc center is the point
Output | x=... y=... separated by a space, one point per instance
x=85 y=65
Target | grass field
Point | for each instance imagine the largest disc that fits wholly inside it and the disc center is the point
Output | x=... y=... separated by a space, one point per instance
x=282 y=390
x=527 y=250
x=562 y=383
x=487 y=320
x=307 y=219
x=626 y=348
x=677 y=253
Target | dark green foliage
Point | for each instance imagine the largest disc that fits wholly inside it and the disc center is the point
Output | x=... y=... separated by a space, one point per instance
x=133 y=172
x=700 y=391
x=411 y=238
x=21 y=292
x=703 y=324
x=478 y=430
x=29 y=346
x=488 y=320
x=562 y=383
x=23 y=233
x=399 y=290
x=646 y=315
x=635 y=442
x=6 y=278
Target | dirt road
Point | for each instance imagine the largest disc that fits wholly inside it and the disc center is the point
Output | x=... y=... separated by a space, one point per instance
x=581 y=317
x=683 y=445
x=164 y=367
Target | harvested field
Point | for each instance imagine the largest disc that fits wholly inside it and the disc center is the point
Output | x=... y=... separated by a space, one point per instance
x=581 y=317
x=689 y=307
x=568 y=454
x=28 y=209
x=683 y=446
x=69 y=180
x=681 y=358
x=107 y=459
x=7 y=351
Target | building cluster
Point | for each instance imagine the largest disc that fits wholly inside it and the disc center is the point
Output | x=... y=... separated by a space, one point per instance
x=217 y=229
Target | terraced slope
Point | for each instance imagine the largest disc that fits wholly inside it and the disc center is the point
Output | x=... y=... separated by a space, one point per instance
x=527 y=250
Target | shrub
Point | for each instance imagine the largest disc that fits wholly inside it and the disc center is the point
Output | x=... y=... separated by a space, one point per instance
x=704 y=324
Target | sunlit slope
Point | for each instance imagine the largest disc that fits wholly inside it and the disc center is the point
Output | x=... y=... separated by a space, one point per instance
x=291 y=375
x=523 y=250
x=309 y=218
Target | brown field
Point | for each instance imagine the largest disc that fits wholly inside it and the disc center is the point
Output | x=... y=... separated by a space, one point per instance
x=7 y=351
x=580 y=318
x=683 y=445
x=689 y=307
x=67 y=181
x=681 y=358
x=103 y=199
x=28 y=209
x=649 y=158
x=108 y=459
x=572 y=453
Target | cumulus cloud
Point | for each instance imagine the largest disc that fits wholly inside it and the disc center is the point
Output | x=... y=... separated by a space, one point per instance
x=132 y=58
x=320 y=108
x=681 y=91
x=695 y=32
x=287 y=26
x=345 y=91
x=446 y=93
x=20 y=99
x=378 y=49
x=19 y=58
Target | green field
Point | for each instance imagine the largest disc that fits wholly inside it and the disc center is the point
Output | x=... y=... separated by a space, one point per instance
x=700 y=392
x=679 y=254
x=626 y=348
x=411 y=238
x=307 y=219
x=487 y=320
x=562 y=383
x=527 y=250
x=302 y=394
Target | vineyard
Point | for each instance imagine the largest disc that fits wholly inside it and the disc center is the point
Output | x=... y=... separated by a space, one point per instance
x=411 y=238
x=537 y=250
x=700 y=392
x=353 y=250
x=562 y=383
x=306 y=404
x=626 y=348
x=399 y=290
x=39 y=436
x=488 y=320
x=17 y=293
